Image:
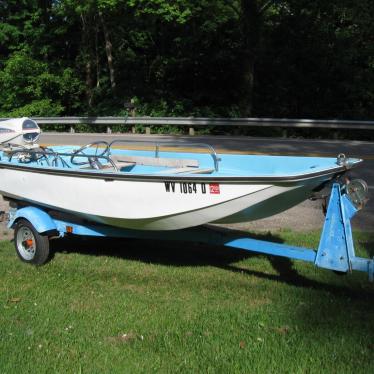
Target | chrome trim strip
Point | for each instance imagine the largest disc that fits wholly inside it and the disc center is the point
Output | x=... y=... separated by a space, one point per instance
x=96 y=174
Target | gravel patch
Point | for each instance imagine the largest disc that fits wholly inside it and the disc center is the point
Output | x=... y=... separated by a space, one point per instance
x=5 y=233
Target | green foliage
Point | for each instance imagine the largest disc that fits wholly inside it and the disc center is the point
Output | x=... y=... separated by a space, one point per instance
x=286 y=58
x=27 y=87
x=43 y=107
x=178 y=11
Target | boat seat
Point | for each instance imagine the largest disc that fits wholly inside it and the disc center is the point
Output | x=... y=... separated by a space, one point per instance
x=120 y=164
x=122 y=160
x=109 y=167
x=189 y=170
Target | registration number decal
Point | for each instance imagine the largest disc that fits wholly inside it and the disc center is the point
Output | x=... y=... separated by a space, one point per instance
x=192 y=188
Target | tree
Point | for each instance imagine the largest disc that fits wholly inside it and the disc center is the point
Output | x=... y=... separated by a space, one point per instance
x=27 y=88
x=188 y=57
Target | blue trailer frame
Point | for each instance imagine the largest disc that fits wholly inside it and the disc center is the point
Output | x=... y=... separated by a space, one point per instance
x=335 y=251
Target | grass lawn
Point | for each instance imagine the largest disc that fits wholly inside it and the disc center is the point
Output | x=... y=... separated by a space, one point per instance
x=128 y=306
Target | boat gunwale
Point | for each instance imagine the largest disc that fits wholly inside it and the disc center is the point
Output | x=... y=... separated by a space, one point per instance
x=95 y=174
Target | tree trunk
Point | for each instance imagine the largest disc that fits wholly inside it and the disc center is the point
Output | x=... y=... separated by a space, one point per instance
x=89 y=83
x=109 y=52
x=97 y=56
x=45 y=7
x=250 y=27
x=246 y=102
x=87 y=56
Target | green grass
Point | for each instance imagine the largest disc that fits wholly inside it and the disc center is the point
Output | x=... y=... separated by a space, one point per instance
x=128 y=306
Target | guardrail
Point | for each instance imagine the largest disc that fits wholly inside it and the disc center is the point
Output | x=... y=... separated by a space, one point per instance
x=191 y=122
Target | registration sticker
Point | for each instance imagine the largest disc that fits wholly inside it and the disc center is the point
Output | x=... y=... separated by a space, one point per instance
x=214 y=188
x=192 y=188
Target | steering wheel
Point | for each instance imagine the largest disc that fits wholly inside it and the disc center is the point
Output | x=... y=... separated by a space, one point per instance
x=79 y=152
x=26 y=155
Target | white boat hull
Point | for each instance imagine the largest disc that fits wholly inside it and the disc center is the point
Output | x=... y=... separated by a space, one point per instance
x=152 y=205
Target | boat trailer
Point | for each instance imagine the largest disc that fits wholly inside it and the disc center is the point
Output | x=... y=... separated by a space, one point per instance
x=34 y=226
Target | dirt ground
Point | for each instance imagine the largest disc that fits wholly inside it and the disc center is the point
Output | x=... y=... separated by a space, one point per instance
x=4 y=232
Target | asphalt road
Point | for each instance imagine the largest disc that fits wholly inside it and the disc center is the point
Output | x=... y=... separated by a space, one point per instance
x=305 y=216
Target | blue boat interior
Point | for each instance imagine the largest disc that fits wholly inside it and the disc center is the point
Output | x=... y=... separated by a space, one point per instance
x=166 y=160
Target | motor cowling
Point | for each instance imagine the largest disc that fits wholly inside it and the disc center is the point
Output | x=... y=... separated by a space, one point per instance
x=19 y=132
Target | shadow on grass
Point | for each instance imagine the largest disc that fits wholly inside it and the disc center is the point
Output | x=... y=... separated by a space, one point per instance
x=174 y=253
x=287 y=274
x=369 y=247
x=164 y=252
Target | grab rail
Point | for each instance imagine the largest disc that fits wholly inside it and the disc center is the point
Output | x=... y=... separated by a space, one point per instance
x=157 y=146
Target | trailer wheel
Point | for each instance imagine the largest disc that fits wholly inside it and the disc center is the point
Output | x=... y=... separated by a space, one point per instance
x=31 y=247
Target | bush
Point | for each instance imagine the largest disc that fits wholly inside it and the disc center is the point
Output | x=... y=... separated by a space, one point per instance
x=29 y=88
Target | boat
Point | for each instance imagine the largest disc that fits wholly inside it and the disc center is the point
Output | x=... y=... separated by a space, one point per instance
x=163 y=192
x=158 y=187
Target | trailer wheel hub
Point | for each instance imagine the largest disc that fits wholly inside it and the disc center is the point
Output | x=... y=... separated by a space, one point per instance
x=357 y=191
x=26 y=243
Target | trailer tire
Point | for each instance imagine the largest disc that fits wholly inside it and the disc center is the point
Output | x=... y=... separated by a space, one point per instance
x=31 y=247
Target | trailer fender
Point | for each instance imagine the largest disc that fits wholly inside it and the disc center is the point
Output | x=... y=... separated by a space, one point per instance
x=41 y=220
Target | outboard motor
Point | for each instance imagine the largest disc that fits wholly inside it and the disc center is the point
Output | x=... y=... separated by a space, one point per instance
x=19 y=133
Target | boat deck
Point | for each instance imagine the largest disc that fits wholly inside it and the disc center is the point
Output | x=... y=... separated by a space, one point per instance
x=169 y=163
